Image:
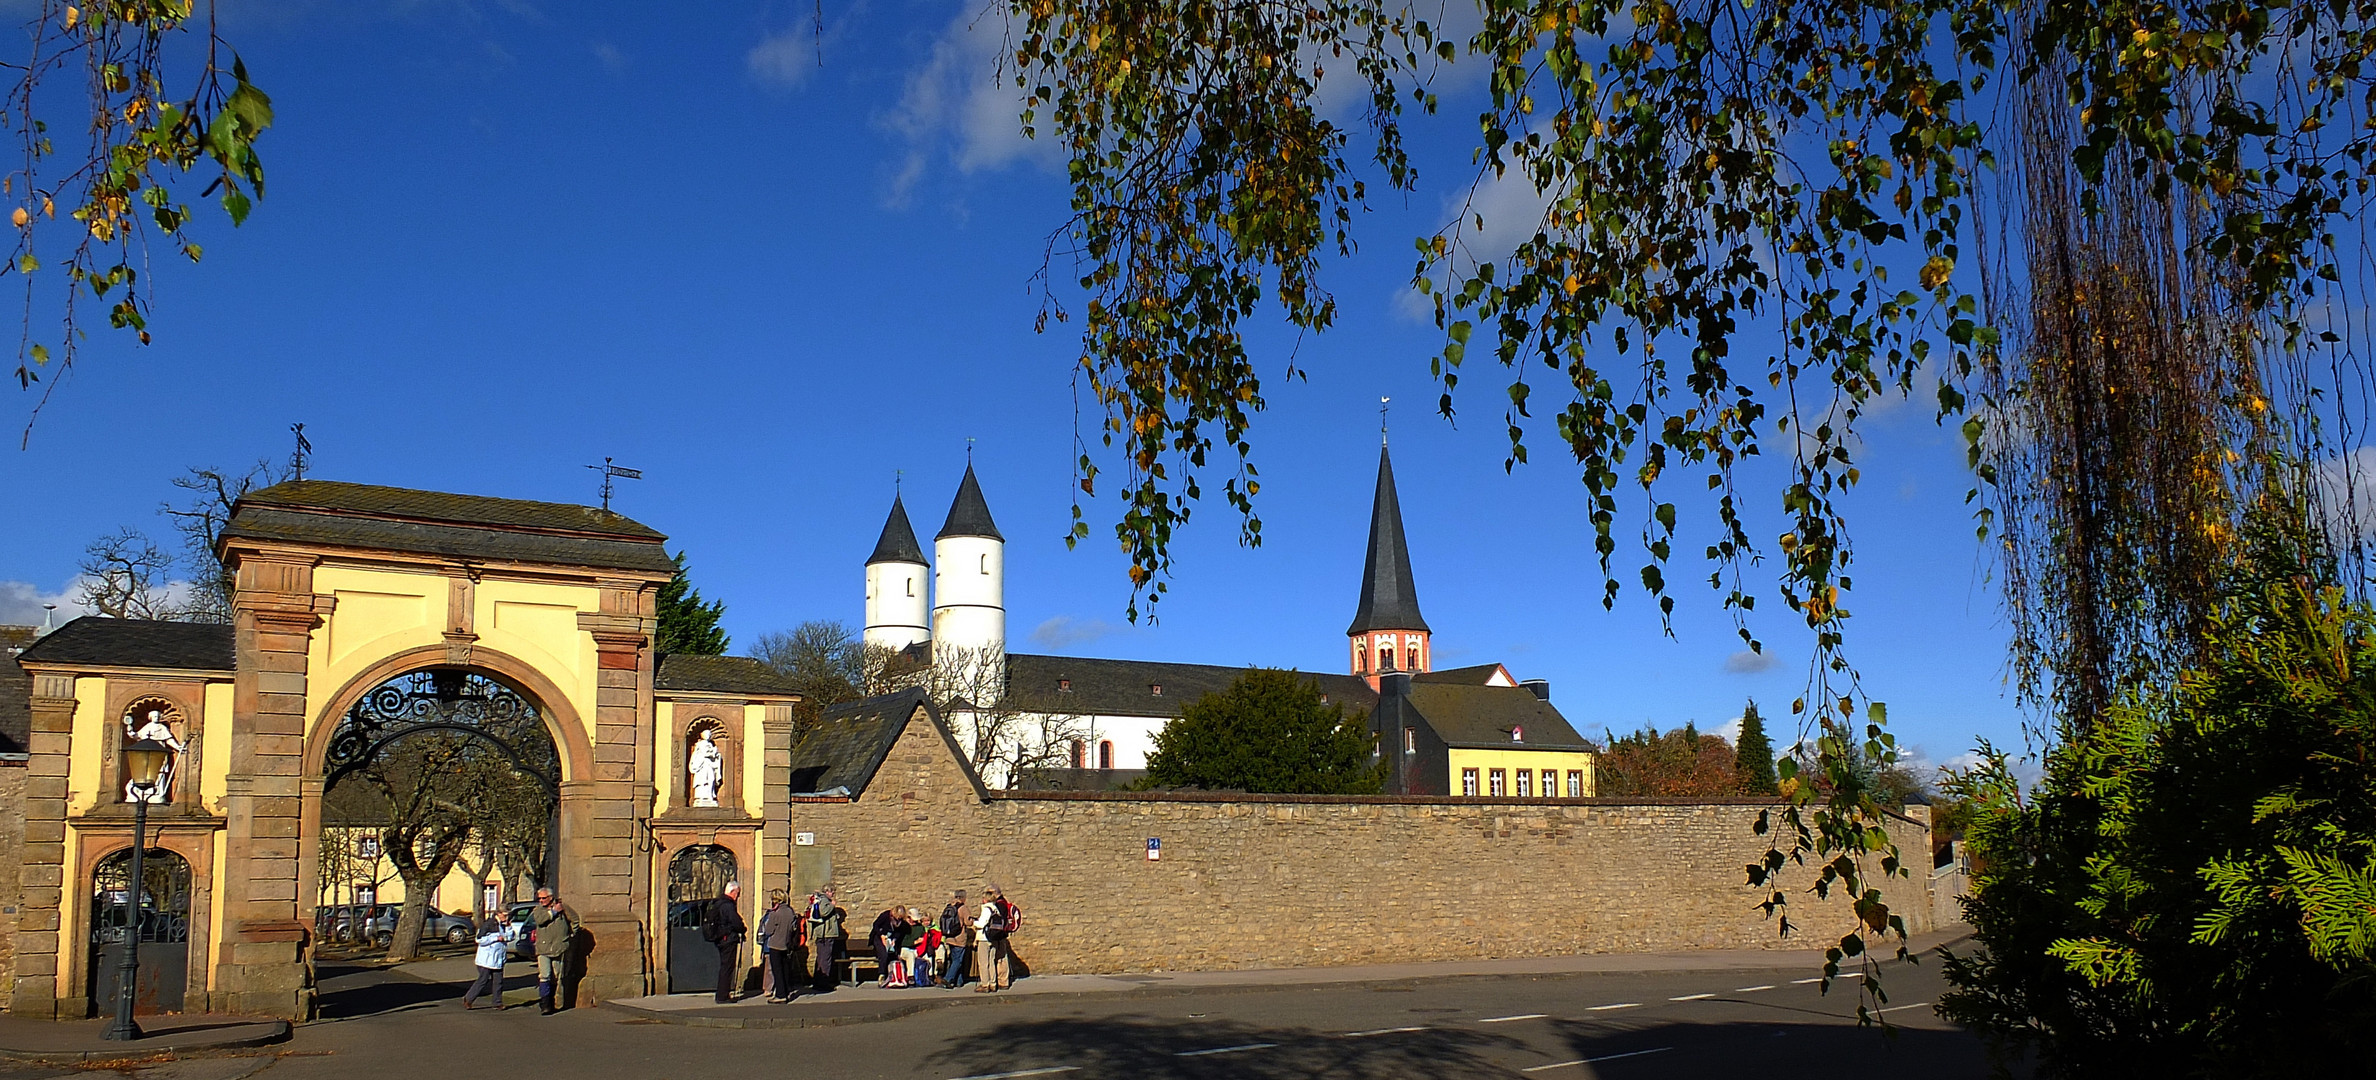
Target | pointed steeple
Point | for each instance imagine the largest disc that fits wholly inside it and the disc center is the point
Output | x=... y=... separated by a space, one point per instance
x=898 y=544
x=1389 y=598
x=969 y=515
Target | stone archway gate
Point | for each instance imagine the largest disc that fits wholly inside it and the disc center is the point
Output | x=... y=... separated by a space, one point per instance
x=340 y=587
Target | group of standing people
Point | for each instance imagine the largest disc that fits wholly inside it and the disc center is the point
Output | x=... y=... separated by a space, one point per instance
x=553 y=929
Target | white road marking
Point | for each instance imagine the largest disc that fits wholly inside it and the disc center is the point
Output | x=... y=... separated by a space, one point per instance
x=1752 y=989
x=1895 y=1008
x=1380 y=1031
x=1691 y=997
x=1590 y=1060
x=1619 y=1005
x=1225 y=1049
x=1023 y=1072
x=1507 y=1019
x=1803 y=982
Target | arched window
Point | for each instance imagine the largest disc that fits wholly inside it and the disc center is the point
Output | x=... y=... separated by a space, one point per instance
x=1080 y=754
x=1360 y=658
x=911 y=584
x=1105 y=753
x=985 y=562
x=1386 y=658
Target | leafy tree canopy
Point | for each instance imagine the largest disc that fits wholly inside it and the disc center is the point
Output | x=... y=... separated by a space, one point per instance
x=2191 y=888
x=1270 y=732
x=687 y=623
x=1679 y=763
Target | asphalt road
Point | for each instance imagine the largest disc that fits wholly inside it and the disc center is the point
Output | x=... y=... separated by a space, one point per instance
x=1572 y=1027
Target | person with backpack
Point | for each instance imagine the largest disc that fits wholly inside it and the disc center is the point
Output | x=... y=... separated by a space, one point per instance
x=555 y=933
x=958 y=933
x=779 y=934
x=722 y=925
x=824 y=922
x=996 y=921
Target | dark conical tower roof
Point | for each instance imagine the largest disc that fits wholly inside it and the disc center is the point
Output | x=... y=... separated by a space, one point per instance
x=1389 y=599
x=969 y=515
x=899 y=539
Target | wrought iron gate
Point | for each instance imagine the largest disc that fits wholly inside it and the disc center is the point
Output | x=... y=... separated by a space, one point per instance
x=161 y=930
x=696 y=875
x=444 y=699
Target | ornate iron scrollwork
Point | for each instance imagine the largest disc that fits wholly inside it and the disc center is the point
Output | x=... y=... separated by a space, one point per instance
x=443 y=699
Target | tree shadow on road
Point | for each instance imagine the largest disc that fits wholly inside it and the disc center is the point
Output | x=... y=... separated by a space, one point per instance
x=345 y=992
x=1160 y=1048
x=1171 y=1049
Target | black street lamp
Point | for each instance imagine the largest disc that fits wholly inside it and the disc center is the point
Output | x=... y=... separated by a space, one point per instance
x=143 y=760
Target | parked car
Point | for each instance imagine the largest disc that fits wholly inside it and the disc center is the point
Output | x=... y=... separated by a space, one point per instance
x=523 y=914
x=348 y=922
x=454 y=929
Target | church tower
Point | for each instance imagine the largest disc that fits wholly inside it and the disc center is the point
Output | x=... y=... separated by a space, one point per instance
x=969 y=592
x=896 y=601
x=1387 y=633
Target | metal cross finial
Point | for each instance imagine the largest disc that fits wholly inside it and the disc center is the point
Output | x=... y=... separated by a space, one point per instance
x=897 y=475
x=609 y=472
x=1382 y=419
x=969 y=441
x=298 y=457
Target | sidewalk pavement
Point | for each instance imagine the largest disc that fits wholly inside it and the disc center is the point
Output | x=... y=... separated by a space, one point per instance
x=868 y=1004
x=77 y=1041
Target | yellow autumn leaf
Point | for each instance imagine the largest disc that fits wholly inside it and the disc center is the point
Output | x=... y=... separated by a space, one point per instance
x=20 y=217
x=73 y=16
x=1936 y=271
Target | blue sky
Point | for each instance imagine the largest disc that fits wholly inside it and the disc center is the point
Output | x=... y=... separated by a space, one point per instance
x=504 y=240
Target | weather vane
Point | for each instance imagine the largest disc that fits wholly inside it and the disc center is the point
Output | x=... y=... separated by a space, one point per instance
x=610 y=472
x=297 y=457
x=1382 y=419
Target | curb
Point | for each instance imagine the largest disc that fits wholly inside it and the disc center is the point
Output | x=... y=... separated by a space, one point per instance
x=275 y=1031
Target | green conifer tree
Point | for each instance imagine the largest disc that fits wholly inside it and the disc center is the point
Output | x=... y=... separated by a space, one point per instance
x=1269 y=731
x=687 y=624
x=1753 y=755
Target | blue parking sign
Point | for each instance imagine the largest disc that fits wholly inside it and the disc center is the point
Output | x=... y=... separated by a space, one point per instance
x=1154 y=848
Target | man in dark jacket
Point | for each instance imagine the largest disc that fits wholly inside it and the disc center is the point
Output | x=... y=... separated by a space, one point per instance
x=957 y=929
x=723 y=926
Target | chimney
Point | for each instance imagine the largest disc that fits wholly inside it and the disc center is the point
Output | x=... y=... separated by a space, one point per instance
x=1394 y=684
x=1540 y=687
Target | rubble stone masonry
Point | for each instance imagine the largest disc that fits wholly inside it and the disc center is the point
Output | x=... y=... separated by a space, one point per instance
x=1283 y=881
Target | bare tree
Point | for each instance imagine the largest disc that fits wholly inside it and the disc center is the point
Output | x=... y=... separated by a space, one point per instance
x=200 y=521
x=1004 y=734
x=828 y=664
x=443 y=790
x=125 y=576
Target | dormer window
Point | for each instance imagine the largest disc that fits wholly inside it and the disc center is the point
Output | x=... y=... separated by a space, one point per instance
x=1517 y=733
x=1155 y=689
x=1064 y=686
x=1323 y=699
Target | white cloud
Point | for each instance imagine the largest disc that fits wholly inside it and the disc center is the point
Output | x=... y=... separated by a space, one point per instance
x=1729 y=731
x=21 y=603
x=2347 y=494
x=962 y=109
x=1748 y=662
x=786 y=58
x=1065 y=631
x=1490 y=222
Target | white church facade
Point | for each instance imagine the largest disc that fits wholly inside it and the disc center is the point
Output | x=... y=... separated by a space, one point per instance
x=1058 y=721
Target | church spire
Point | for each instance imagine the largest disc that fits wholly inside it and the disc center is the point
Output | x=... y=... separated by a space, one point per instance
x=969 y=513
x=898 y=543
x=1388 y=633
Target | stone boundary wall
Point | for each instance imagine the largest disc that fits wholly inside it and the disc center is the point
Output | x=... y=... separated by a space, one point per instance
x=1251 y=881
x=12 y=855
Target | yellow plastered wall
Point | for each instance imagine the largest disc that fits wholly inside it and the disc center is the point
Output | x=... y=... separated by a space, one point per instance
x=214 y=753
x=670 y=777
x=538 y=624
x=379 y=613
x=458 y=894
x=90 y=734
x=754 y=761
x=1485 y=761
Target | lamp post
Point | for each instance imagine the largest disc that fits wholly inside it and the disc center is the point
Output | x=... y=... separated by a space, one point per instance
x=143 y=760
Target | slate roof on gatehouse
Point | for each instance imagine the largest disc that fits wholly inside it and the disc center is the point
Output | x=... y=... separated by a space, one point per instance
x=95 y=641
x=719 y=675
x=839 y=756
x=367 y=516
x=16 y=707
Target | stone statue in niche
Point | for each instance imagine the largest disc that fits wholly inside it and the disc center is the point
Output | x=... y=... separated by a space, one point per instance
x=150 y=724
x=707 y=767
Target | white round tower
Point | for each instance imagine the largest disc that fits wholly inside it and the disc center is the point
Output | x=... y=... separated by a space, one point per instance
x=897 y=602
x=969 y=595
